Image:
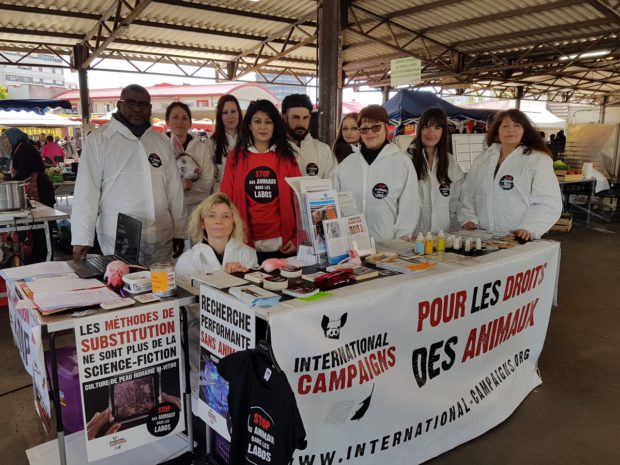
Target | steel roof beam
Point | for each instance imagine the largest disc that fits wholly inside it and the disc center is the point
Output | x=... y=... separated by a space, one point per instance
x=47 y=11
x=232 y=11
x=609 y=11
x=120 y=25
x=532 y=32
x=503 y=15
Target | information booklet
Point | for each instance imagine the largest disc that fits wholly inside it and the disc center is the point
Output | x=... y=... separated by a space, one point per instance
x=406 y=266
x=321 y=206
x=255 y=296
x=342 y=233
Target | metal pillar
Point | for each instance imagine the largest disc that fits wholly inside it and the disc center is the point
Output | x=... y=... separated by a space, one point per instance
x=385 y=92
x=330 y=51
x=602 y=114
x=84 y=96
x=80 y=53
x=519 y=97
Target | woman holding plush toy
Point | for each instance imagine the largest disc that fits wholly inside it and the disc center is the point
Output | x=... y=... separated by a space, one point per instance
x=194 y=157
x=511 y=186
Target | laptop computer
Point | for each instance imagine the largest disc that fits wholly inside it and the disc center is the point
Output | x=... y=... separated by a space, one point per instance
x=126 y=249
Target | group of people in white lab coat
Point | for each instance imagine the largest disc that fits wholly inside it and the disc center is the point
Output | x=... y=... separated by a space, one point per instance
x=128 y=167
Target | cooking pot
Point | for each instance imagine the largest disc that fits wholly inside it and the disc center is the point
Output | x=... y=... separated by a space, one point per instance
x=12 y=195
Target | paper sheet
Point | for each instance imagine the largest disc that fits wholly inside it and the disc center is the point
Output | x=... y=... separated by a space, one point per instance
x=37 y=269
x=72 y=299
x=63 y=284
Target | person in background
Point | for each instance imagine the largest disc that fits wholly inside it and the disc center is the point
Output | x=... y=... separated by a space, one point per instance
x=128 y=167
x=179 y=121
x=382 y=179
x=51 y=151
x=227 y=128
x=511 y=186
x=560 y=141
x=27 y=165
x=313 y=156
x=254 y=181
x=348 y=138
x=68 y=148
x=439 y=176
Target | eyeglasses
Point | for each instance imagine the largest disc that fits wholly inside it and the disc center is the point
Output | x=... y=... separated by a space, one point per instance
x=373 y=128
x=137 y=103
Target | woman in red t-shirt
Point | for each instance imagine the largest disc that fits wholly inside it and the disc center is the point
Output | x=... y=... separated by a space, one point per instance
x=254 y=180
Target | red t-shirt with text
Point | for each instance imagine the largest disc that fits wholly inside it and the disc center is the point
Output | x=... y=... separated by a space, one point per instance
x=262 y=191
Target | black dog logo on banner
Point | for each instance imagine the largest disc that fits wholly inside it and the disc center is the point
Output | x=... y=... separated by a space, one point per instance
x=331 y=328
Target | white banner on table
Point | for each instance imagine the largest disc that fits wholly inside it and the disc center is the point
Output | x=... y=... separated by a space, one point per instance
x=227 y=325
x=131 y=381
x=40 y=380
x=403 y=372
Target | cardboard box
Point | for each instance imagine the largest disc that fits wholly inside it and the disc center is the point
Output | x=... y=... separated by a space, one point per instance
x=563 y=175
x=564 y=224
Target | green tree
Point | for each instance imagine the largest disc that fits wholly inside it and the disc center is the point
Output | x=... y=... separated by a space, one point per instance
x=4 y=92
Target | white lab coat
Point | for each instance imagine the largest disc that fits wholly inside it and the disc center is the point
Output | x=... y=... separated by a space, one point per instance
x=202 y=259
x=388 y=216
x=439 y=203
x=314 y=158
x=524 y=194
x=202 y=153
x=115 y=176
x=219 y=169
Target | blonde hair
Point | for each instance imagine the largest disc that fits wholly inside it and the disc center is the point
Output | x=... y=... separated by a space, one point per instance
x=196 y=229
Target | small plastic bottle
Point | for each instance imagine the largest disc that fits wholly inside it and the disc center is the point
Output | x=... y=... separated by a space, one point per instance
x=419 y=244
x=428 y=244
x=450 y=241
x=441 y=241
x=478 y=244
x=468 y=245
x=456 y=243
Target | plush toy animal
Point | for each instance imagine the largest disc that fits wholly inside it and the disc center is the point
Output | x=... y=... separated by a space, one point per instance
x=114 y=273
x=188 y=168
x=272 y=264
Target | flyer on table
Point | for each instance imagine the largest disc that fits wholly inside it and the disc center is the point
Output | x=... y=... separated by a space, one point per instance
x=227 y=325
x=130 y=368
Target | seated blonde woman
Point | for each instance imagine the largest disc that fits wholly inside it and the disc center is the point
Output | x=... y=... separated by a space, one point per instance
x=216 y=229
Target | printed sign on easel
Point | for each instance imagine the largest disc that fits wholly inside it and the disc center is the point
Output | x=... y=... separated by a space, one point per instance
x=131 y=380
x=226 y=326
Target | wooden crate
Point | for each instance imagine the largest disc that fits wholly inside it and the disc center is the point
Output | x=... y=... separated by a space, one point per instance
x=563 y=175
x=564 y=224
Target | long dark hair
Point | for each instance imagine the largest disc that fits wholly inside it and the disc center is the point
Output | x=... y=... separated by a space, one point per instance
x=219 y=135
x=341 y=148
x=279 y=138
x=432 y=117
x=531 y=139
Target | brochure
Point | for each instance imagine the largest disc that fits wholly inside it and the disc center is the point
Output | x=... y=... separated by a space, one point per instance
x=340 y=235
x=254 y=296
x=321 y=206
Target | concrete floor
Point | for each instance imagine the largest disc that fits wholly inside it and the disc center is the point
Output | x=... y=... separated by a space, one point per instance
x=571 y=419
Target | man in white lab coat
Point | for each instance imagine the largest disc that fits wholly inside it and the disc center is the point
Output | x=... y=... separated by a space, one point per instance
x=128 y=167
x=313 y=156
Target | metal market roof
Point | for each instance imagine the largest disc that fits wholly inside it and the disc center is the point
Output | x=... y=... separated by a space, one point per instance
x=167 y=90
x=565 y=49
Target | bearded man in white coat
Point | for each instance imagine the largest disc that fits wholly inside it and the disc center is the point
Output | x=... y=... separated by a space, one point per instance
x=314 y=157
x=128 y=167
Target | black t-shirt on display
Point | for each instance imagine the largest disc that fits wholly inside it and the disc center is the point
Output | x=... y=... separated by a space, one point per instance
x=266 y=424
